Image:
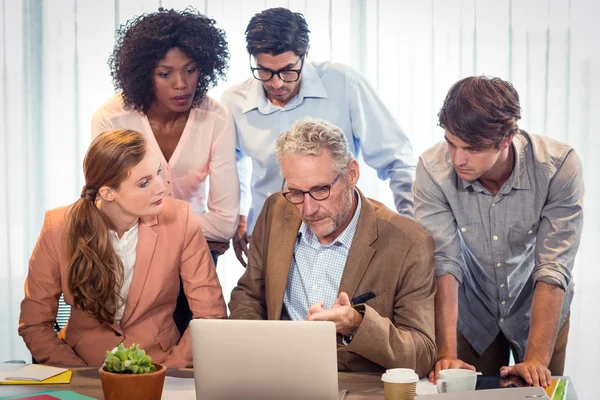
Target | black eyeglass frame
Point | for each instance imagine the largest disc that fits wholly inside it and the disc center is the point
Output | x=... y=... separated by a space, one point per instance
x=278 y=72
x=309 y=192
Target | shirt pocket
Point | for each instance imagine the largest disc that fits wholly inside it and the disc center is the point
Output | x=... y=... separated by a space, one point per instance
x=521 y=239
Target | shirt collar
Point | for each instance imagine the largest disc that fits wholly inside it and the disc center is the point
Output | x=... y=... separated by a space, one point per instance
x=310 y=86
x=127 y=236
x=345 y=238
x=519 y=179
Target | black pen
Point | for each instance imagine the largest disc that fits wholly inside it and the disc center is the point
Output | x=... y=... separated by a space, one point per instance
x=363 y=298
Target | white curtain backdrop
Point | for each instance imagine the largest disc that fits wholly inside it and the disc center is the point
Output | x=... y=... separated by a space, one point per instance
x=53 y=75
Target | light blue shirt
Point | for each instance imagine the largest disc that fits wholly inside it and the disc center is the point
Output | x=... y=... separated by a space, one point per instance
x=328 y=91
x=316 y=269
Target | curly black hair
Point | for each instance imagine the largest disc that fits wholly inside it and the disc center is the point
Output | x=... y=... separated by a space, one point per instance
x=143 y=41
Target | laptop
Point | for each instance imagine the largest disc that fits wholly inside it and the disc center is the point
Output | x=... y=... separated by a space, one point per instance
x=242 y=359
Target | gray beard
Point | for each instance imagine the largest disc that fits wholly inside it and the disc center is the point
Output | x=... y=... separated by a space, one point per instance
x=340 y=218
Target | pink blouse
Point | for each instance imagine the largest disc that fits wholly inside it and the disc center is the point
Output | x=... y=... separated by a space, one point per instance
x=206 y=149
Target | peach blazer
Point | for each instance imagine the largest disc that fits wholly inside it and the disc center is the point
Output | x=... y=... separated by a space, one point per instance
x=169 y=245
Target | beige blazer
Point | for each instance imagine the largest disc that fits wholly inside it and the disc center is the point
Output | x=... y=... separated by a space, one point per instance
x=169 y=245
x=390 y=255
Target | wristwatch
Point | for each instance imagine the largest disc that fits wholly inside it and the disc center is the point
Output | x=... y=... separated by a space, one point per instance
x=348 y=339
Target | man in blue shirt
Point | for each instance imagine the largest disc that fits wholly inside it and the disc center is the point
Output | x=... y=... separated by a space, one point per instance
x=285 y=88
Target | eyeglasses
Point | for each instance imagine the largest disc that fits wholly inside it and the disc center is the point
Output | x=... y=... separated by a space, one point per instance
x=319 y=193
x=285 y=74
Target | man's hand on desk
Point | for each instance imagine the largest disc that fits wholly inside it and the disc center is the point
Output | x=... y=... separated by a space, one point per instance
x=534 y=372
x=241 y=240
x=346 y=318
x=448 y=363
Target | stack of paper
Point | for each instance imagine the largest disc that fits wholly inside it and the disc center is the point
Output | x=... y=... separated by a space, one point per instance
x=35 y=375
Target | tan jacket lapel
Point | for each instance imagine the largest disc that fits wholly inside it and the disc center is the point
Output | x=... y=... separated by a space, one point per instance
x=144 y=253
x=361 y=251
x=279 y=264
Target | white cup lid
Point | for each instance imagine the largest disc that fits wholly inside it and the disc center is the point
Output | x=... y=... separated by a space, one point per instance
x=400 y=375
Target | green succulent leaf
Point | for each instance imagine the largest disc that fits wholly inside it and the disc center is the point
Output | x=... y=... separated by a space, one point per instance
x=132 y=360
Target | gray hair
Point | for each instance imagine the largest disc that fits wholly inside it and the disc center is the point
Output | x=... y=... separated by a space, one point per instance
x=309 y=136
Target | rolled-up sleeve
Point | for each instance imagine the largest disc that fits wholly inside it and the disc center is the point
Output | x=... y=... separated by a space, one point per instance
x=433 y=212
x=560 y=226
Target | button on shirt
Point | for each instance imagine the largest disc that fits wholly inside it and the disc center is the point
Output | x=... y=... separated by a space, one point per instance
x=499 y=246
x=126 y=250
x=332 y=92
x=316 y=269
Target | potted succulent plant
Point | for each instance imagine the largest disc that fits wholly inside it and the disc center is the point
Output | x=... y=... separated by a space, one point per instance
x=130 y=374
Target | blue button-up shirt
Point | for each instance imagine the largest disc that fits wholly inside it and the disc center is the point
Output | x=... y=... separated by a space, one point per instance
x=316 y=269
x=331 y=92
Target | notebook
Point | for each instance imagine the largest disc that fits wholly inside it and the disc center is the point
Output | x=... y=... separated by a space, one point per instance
x=35 y=375
x=35 y=372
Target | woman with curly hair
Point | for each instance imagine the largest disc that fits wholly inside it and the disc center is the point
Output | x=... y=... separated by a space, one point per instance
x=163 y=64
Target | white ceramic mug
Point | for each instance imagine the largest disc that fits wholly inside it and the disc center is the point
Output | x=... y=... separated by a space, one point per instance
x=456 y=380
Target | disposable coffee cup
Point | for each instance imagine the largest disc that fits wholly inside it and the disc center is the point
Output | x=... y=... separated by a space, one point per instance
x=399 y=384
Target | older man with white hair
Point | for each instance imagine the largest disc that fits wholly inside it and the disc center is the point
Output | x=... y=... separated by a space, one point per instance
x=321 y=250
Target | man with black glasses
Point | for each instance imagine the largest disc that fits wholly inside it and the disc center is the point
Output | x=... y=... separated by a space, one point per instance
x=285 y=88
x=321 y=251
